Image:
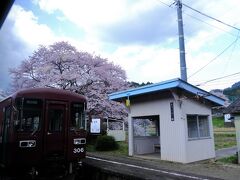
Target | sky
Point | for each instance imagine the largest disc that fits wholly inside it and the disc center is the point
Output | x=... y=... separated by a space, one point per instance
x=141 y=36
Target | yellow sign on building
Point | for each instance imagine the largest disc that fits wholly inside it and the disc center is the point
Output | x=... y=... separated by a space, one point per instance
x=128 y=102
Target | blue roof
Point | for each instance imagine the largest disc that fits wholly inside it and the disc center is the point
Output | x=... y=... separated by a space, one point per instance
x=166 y=85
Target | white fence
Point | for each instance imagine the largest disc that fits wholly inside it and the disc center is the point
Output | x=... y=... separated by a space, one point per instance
x=119 y=135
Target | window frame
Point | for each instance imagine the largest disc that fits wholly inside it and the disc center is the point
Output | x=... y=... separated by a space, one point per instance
x=199 y=137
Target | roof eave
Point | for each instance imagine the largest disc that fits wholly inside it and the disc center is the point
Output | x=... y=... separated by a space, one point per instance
x=193 y=89
x=167 y=85
x=144 y=89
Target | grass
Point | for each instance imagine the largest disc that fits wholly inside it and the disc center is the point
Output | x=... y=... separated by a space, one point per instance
x=218 y=126
x=226 y=130
x=122 y=150
x=224 y=136
x=218 y=122
x=223 y=140
x=229 y=160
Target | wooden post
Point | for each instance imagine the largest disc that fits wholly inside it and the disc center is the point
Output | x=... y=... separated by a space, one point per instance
x=130 y=136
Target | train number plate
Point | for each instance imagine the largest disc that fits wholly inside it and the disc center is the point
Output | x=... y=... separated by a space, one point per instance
x=78 y=150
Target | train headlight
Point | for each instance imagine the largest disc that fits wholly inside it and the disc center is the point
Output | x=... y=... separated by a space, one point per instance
x=32 y=143
x=79 y=141
x=27 y=143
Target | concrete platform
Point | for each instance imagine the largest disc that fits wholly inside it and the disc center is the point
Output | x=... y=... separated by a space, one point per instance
x=150 y=168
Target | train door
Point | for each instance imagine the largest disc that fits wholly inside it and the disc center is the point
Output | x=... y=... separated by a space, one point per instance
x=56 y=121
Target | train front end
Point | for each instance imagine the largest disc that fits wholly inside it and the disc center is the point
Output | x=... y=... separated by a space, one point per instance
x=46 y=128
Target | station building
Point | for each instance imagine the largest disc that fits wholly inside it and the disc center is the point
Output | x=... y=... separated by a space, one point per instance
x=172 y=119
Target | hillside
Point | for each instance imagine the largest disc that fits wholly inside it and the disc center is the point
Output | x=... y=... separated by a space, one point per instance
x=232 y=92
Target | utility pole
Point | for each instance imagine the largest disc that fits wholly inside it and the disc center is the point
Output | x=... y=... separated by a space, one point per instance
x=183 y=68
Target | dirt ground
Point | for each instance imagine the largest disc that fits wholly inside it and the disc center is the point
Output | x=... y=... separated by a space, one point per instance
x=208 y=168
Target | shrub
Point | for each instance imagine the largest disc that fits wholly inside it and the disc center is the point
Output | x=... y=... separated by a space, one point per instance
x=106 y=143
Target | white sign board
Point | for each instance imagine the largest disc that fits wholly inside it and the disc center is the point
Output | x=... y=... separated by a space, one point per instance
x=95 y=126
x=227 y=118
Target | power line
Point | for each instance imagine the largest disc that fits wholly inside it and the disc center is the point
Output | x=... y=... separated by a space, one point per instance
x=208 y=23
x=168 y=5
x=228 y=60
x=214 y=84
x=214 y=58
x=233 y=78
x=211 y=17
x=217 y=79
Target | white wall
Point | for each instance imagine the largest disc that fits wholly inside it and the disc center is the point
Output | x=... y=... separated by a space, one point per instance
x=173 y=147
x=199 y=149
x=172 y=134
x=145 y=145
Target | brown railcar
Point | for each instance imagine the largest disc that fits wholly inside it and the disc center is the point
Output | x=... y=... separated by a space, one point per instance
x=42 y=125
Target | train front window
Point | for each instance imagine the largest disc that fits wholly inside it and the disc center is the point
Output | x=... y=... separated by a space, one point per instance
x=77 y=116
x=29 y=115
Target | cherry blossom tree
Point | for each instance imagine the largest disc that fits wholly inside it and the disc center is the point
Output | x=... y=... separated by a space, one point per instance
x=62 y=66
x=2 y=94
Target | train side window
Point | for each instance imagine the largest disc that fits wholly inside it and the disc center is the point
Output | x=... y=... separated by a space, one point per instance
x=6 y=123
x=55 y=120
x=7 y=116
x=77 y=116
x=16 y=119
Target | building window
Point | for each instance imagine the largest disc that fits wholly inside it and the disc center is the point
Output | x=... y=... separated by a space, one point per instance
x=146 y=126
x=198 y=126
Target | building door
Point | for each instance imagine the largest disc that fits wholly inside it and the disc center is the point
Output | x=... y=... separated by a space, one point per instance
x=146 y=134
x=55 y=128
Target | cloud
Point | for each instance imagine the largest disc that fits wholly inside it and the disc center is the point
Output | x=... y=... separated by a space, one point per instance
x=118 y=21
x=141 y=36
x=12 y=51
x=27 y=28
x=20 y=35
x=224 y=11
x=147 y=27
x=125 y=22
x=144 y=64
